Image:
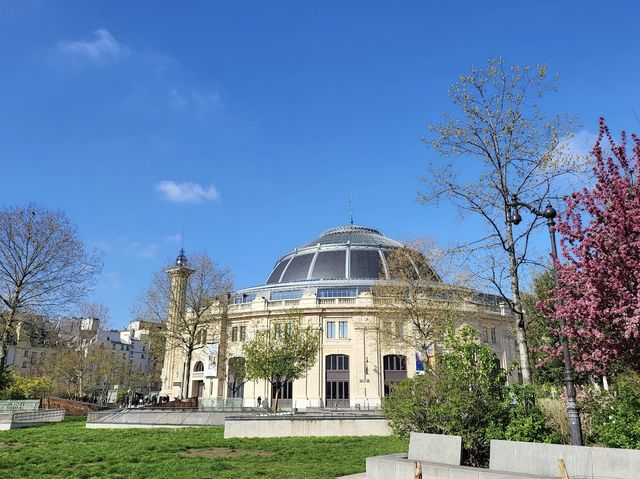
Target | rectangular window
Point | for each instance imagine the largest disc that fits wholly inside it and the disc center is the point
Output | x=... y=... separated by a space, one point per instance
x=243 y=333
x=343 y=331
x=283 y=329
x=399 y=329
x=245 y=298
x=337 y=292
x=331 y=329
x=290 y=294
x=493 y=335
x=337 y=389
x=234 y=334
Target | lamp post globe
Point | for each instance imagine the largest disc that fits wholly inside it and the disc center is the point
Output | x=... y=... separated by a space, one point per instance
x=549 y=212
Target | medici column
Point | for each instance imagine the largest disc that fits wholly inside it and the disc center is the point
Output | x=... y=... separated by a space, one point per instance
x=173 y=368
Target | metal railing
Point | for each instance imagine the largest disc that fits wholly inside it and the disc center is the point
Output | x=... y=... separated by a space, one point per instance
x=335 y=301
x=20 y=405
x=217 y=404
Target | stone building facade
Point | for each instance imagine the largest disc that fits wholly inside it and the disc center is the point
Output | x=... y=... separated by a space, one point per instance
x=326 y=283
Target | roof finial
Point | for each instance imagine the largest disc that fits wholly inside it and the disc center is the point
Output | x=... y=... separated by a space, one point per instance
x=351 y=206
x=184 y=222
x=181 y=260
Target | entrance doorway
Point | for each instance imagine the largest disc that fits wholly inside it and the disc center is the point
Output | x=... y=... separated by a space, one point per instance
x=337 y=380
x=197 y=389
x=395 y=369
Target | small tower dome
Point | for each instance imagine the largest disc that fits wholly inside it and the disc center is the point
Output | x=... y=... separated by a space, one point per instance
x=181 y=260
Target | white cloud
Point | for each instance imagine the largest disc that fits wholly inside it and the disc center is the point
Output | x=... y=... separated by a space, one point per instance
x=110 y=281
x=103 y=49
x=196 y=99
x=187 y=192
x=135 y=248
x=174 y=238
x=580 y=144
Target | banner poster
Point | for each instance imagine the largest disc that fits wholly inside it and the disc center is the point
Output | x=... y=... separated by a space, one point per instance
x=420 y=360
x=211 y=360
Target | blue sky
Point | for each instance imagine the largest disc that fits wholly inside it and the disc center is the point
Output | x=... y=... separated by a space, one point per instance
x=260 y=118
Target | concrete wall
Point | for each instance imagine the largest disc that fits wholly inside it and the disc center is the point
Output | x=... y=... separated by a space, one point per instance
x=397 y=466
x=17 y=419
x=283 y=426
x=440 y=454
x=535 y=458
x=132 y=418
x=435 y=448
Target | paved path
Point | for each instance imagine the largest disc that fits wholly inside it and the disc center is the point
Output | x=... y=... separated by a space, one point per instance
x=353 y=476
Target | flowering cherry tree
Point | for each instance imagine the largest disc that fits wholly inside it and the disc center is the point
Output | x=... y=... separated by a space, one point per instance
x=598 y=294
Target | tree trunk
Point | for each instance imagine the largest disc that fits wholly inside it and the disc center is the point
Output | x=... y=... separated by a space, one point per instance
x=275 y=407
x=3 y=349
x=521 y=337
x=4 y=338
x=187 y=374
x=222 y=351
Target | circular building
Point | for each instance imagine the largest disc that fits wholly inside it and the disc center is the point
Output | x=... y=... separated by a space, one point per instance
x=327 y=283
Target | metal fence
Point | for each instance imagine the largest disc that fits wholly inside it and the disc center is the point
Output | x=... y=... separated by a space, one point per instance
x=20 y=405
x=220 y=404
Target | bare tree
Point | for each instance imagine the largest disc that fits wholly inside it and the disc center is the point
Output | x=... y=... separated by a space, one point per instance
x=44 y=267
x=415 y=305
x=95 y=310
x=205 y=304
x=513 y=152
x=91 y=369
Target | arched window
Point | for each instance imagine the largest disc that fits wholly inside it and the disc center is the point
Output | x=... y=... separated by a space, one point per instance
x=395 y=369
x=198 y=367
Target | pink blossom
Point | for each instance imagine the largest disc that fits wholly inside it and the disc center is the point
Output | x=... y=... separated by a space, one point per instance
x=599 y=275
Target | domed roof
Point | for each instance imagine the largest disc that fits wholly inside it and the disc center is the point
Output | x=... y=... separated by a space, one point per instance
x=354 y=234
x=344 y=252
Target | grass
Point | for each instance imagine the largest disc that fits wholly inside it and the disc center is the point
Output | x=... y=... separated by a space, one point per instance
x=69 y=450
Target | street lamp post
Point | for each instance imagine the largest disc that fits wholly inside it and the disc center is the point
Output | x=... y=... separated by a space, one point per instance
x=573 y=413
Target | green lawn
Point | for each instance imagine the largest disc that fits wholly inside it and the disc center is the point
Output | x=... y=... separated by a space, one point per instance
x=69 y=450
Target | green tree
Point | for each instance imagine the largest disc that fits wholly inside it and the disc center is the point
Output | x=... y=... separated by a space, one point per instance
x=511 y=149
x=283 y=353
x=27 y=387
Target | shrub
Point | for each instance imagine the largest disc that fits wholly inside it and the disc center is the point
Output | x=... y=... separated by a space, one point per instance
x=555 y=413
x=526 y=420
x=463 y=395
x=27 y=387
x=466 y=395
x=615 y=414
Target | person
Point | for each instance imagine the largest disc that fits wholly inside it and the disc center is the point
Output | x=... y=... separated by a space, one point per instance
x=259 y=401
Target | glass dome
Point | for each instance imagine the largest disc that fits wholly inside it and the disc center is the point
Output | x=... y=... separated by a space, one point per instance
x=345 y=252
